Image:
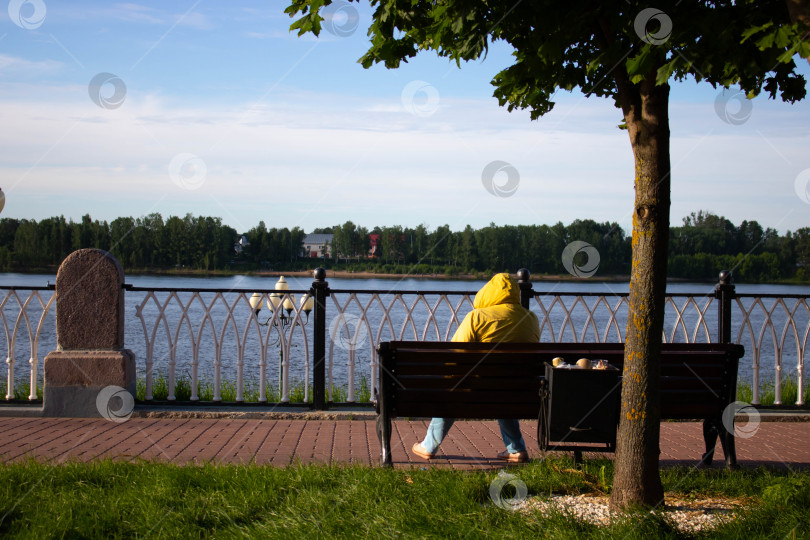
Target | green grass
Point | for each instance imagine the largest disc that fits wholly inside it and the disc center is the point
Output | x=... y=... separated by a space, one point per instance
x=20 y=391
x=767 y=392
x=120 y=500
x=205 y=391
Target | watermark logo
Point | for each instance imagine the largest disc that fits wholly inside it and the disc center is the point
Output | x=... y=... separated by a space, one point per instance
x=99 y=90
x=569 y=256
x=187 y=171
x=348 y=332
x=27 y=14
x=643 y=20
x=733 y=107
x=742 y=430
x=802 y=186
x=502 y=188
x=115 y=403
x=497 y=486
x=340 y=19
x=420 y=98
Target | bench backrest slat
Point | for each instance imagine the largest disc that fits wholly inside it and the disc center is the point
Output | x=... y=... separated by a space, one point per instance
x=460 y=382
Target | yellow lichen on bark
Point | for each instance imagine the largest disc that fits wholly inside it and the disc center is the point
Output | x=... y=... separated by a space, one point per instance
x=634 y=414
x=634 y=376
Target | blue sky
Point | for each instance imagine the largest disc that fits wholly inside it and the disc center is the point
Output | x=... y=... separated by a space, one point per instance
x=221 y=111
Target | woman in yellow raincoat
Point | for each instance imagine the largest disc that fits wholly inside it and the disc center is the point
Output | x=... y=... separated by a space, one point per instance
x=497 y=316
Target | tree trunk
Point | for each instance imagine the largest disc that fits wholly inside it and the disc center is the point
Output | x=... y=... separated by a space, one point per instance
x=636 y=476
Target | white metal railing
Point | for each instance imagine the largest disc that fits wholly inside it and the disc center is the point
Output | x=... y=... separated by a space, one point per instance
x=227 y=322
x=378 y=316
x=22 y=306
x=215 y=336
x=784 y=321
x=367 y=318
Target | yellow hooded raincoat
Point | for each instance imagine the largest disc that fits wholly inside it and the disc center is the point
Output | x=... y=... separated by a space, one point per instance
x=498 y=316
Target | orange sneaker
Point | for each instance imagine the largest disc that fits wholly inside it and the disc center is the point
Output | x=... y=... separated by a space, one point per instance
x=421 y=451
x=516 y=457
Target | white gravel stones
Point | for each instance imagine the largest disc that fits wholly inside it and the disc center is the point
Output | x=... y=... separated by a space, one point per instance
x=689 y=515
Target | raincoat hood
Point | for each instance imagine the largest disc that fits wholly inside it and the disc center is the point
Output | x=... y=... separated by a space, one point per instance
x=501 y=289
x=498 y=316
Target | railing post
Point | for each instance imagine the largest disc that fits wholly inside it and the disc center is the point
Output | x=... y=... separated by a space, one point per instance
x=525 y=284
x=319 y=291
x=724 y=291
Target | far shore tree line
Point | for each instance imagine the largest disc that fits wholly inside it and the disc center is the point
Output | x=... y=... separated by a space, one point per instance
x=702 y=246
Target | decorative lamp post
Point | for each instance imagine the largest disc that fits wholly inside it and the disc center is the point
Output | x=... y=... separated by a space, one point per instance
x=286 y=302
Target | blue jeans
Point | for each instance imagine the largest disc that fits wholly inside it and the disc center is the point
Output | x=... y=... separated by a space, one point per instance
x=510 y=433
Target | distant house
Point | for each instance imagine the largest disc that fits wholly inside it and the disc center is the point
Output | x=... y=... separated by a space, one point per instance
x=240 y=246
x=374 y=245
x=317 y=246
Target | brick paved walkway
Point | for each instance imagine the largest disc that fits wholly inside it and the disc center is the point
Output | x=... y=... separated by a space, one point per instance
x=470 y=444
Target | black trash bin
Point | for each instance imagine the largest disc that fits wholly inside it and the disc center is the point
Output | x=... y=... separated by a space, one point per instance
x=581 y=409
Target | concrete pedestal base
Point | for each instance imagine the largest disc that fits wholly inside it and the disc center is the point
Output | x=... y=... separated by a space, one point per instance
x=89 y=384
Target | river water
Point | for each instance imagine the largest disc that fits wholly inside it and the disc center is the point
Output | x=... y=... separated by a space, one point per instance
x=350 y=348
x=405 y=284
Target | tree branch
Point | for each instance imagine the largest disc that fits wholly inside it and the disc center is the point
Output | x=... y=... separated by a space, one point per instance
x=628 y=94
x=799 y=11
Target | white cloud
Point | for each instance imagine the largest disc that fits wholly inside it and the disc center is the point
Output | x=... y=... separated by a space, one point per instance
x=195 y=20
x=273 y=34
x=315 y=159
x=22 y=68
x=145 y=14
x=137 y=13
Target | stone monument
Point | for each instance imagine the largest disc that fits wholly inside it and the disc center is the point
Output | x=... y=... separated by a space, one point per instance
x=90 y=364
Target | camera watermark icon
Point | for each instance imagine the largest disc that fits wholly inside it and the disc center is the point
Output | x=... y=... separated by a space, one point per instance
x=802 y=186
x=591 y=264
x=503 y=188
x=99 y=87
x=643 y=20
x=420 y=98
x=735 y=114
x=340 y=19
x=115 y=403
x=348 y=332
x=496 y=491
x=27 y=14
x=188 y=171
x=741 y=430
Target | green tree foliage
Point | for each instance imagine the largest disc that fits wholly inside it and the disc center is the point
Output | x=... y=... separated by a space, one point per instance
x=147 y=242
x=707 y=244
x=698 y=250
x=349 y=241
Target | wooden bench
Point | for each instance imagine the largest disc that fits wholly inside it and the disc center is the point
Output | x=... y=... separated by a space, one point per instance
x=491 y=381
